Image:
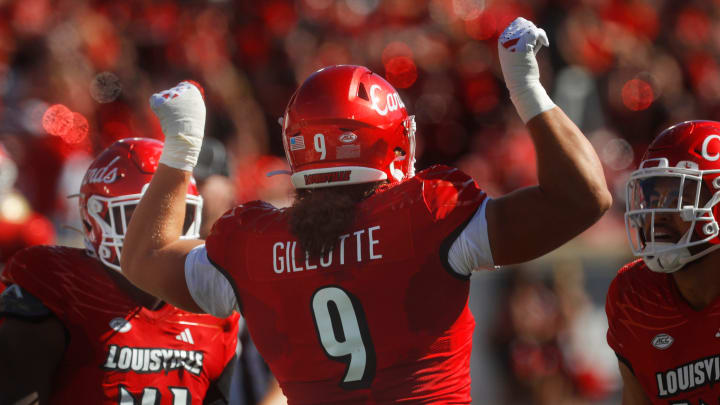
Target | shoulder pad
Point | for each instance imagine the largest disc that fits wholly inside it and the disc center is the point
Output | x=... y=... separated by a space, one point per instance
x=447 y=188
x=634 y=277
x=15 y=301
x=250 y=218
x=43 y=259
x=253 y=215
x=439 y=172
x=61 y=278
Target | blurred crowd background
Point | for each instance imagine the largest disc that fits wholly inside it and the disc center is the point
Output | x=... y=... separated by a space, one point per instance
x=75 y=75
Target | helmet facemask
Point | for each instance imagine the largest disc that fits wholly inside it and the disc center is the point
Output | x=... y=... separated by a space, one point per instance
x=669 y=216
x=110 y=216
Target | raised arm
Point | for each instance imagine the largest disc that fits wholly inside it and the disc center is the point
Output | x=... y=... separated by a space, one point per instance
x=572 y=193
x=153 y=256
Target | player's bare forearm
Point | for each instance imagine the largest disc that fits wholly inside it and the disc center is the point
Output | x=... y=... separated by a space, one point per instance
x=153 y=255
x=569 y=170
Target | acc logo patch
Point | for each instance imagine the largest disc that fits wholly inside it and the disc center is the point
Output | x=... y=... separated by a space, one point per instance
x=121 y=325
x=662 y=341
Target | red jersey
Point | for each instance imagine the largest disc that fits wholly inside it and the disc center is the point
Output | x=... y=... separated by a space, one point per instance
x=673 y=350
x=381 y=318
x=119 y=352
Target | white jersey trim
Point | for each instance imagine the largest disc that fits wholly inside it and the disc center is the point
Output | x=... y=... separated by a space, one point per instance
x=471 y=250
x=210 y=289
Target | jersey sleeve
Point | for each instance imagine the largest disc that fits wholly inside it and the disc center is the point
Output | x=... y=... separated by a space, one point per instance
x=227 y=238
x=456 y=208
x=471 y=250
x=209 y=287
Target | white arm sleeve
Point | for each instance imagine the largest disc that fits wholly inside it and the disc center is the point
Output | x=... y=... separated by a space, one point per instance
x=471 y=250
x=210 y=289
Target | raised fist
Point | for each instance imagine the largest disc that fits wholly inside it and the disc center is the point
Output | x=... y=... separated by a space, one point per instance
x=517 y=47
x=181 y=111
x=522 y=36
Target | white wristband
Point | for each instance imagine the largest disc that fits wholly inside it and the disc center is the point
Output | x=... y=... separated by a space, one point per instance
x=531 y=101
x=181 y=152
x=181 y=111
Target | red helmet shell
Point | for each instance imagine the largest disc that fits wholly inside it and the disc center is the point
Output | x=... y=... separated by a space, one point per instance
x=114 y=182
x=691 y=145
x=347 y=125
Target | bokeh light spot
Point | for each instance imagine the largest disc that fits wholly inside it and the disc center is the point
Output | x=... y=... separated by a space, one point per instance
x=467 y=9
x=482 y=27
x=401 y=72
x=57 y=120
x=105 y=87
x=617 y=154
x=482 y=93
x=79 y=130
x=693 y=27
x=319 y=4
x=637 y=94
x=363 y=7
x=395 y=49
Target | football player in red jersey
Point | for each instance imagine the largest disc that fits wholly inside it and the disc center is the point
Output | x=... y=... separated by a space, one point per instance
x=663 y=309
x=75 y=331
x=358 y=292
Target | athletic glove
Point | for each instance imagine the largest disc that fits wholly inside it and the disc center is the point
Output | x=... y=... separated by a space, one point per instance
x=181 y=111
x=517 y=47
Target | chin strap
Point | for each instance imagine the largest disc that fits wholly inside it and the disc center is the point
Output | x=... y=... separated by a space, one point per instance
x=666 y=262
x=672 y=260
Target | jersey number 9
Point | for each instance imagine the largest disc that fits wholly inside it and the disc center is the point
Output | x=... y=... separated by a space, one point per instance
x=344 y=335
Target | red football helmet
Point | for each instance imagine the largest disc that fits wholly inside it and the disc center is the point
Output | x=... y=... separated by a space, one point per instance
x=112 y=188
x=347 y=125
x=679 y=175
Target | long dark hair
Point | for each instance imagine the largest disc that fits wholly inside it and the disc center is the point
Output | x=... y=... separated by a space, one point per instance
x=319 y=216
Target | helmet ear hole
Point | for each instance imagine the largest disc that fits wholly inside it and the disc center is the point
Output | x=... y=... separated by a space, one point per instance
x=362 y=93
